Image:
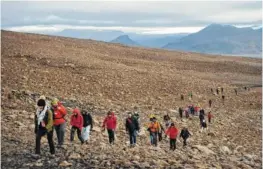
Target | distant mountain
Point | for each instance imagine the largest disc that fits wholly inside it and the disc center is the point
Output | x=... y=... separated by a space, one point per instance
x=157 y=41
x=125 y=40
x=221 y=39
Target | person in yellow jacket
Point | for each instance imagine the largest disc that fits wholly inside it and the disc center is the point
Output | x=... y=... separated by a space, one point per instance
x=154 y=128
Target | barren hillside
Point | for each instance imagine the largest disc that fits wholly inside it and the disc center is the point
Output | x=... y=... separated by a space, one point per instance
x=105 y=76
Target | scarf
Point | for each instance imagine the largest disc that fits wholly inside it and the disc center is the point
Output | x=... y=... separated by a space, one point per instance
x=41 y=115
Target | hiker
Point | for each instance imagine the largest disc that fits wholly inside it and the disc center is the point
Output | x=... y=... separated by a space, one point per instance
x=203 y=125
x=160 y=134
x=217 y=91
x=191 y=95
x=210 y=103
x=154 y=128
x=245 y=88
x=180 y=112
x=202 y=111
x=201 y=116
x=212 y=91
x=196 y=110
x=44 y=126
x=136 y=116
x=132 y=126
x=110 y=122
x=76 y=122
x=185 y=134
x=192 y=109
x=172 y=132
x=209 y=116
x=167 y=120
x=186 y=113
x=59 y=112
x=182 y=97
x=87 y=125
x=223 y=99
x=222 y=89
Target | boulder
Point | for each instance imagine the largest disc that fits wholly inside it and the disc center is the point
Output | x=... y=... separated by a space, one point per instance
x=204 y=149
x=74 y=156
x=225 y=150
x=65 y=164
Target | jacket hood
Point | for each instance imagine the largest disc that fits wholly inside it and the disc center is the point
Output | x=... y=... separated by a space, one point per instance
x=76 y=111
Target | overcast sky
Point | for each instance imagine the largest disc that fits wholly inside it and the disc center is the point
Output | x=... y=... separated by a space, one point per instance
x=140 y=17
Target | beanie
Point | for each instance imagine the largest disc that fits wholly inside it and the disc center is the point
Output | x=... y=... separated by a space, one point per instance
x=41 y=102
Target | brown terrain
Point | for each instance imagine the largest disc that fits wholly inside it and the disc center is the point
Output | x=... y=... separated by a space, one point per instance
x=103 y=76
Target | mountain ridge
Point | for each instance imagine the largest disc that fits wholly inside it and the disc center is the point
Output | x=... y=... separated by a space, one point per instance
x=221 y=39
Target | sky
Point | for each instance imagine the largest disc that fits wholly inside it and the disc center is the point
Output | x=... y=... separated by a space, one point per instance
x=143 y=17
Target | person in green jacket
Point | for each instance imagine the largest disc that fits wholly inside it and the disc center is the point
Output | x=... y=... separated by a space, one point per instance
x=44 y=125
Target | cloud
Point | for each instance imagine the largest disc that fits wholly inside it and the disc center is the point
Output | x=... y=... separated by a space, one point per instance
x=169 y=14
x=141 y=30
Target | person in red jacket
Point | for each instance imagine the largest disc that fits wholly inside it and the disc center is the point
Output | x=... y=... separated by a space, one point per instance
x=172 y=132
x=110 y=122
x=209 y=116
x=59 y=112
x=76 y=121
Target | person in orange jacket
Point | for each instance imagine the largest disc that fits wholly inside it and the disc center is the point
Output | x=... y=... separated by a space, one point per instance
x=172 y=133
x=154 y=128
x=59 y=113
x=209 y=116
x=76 y=121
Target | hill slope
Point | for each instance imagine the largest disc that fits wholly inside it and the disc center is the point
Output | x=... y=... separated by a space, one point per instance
x=103 y=76
x=221 y=40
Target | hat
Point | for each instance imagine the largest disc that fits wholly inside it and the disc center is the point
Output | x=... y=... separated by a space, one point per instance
x=41 y=102
x=42 y=97
x=54 y=101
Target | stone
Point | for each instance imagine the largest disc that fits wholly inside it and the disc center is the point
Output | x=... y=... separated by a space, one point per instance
x=204 y=149
x=19 y=124
x=39 y=164
x=65 y=164
x=248 y=157
x=97 y=129
x=225 y=150
x=211 y=134
x=74 y=156
x=136 y=157
x=210 y=145
x=32 y=116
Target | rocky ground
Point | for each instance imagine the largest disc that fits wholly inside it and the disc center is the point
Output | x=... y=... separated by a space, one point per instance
x=103 y=76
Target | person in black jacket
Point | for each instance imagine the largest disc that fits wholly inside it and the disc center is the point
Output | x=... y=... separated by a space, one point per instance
x=181 y=112
x=201 y=115
x=210 y=103
x=132 y=126
x=160 y=134
x=203 y=126
x=185 y=134
x=87 y=125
